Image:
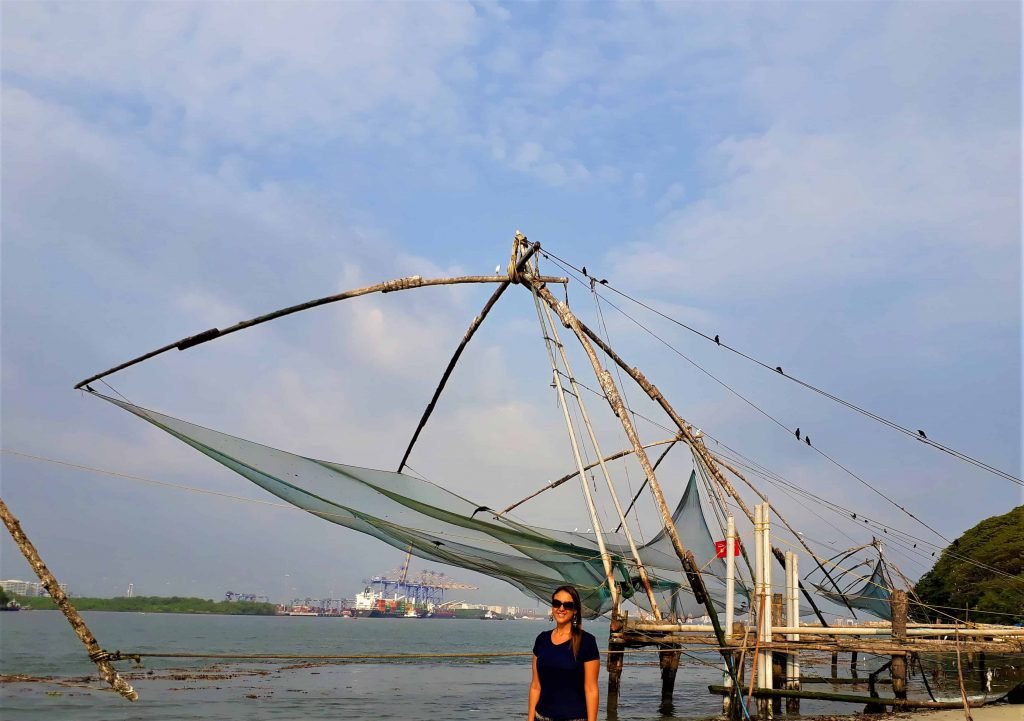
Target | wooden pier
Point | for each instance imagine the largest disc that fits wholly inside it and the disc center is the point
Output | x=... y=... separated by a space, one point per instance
x=771 y=647
x=899 y=641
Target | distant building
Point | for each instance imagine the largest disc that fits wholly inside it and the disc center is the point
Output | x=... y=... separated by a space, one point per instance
x=27 y=588
x=21 y=588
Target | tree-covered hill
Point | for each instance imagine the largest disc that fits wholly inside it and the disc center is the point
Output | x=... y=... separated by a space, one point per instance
x=980 y=576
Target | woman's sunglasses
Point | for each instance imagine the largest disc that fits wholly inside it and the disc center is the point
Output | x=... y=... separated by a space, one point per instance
x=567 y=605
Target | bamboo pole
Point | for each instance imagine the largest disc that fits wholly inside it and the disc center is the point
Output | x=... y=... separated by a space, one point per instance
x=654 y=467
x=686 y=558
x=641 y=569
x=477 y=322
x=652 y=391
x=569 y=320
x=569 y=476
x=96 y=653
x=606 y=560
x=387 y=286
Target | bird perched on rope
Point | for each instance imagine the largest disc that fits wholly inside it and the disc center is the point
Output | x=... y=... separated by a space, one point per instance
x=807 y=440
x=718 y=341
x=779 y=369
x=798 y=434
x=921 y=433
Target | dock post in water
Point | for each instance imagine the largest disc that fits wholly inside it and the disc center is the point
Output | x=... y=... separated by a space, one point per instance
x=668 y=658
x=780 y=663
x=898 y=669
x=615 y=659
x=793 y=621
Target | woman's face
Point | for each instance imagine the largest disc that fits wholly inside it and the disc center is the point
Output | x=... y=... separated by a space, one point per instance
x=562 y=614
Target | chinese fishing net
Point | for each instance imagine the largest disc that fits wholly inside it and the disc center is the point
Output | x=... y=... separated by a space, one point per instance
x=872 y=597
x=440 y=526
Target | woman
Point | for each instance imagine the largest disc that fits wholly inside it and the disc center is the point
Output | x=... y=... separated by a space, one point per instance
x=565 y=665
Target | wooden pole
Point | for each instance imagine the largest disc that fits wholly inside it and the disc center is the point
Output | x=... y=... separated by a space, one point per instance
x=960 y=678
x=569 y=476
x=898 y=669
x=523 y=259
x=96 y=653
x=686 y=558
x=779 y=659
x=615 y=659
x=686 y=431
x=387 y=286
x=606 y=561
x=668 y=659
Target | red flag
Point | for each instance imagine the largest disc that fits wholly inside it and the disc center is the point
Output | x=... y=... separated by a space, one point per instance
x=720 y=548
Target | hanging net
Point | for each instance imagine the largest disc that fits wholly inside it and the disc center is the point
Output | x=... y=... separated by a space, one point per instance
x=409 y=513
x=872 y=597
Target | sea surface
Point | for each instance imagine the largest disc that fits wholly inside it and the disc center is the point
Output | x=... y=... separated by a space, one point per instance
x=41 y=644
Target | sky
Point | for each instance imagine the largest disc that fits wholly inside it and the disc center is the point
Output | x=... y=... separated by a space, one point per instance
x=832 y=188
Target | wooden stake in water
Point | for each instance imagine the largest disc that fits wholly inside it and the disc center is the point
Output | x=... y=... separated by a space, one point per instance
x=100 y=657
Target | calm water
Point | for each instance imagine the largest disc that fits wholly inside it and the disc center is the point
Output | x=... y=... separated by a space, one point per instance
x=41 y=643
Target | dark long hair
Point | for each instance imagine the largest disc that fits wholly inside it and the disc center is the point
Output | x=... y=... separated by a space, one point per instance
x=576 y=625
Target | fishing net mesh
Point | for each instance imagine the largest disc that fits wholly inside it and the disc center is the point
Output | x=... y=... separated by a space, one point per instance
x=440 y=526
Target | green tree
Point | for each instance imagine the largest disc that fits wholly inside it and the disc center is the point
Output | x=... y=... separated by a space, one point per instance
x=980 y=575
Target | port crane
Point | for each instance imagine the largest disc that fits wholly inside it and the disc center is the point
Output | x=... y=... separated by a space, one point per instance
x=425 y=587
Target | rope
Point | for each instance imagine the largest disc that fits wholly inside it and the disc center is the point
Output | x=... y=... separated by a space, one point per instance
x=121 y=655
x=917 y=435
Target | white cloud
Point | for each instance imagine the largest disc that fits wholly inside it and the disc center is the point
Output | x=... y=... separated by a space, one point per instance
x=226 y=74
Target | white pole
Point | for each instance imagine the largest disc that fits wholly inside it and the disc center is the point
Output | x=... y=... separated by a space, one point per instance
x=730 y=598
x=766 y=556
x=758 y=588
x=730 y=575
x=794 y=620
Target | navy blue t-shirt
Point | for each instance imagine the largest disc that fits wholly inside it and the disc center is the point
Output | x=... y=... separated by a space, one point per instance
x=561 y=675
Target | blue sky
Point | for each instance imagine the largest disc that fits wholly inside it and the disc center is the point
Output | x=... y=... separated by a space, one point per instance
x=834 y=188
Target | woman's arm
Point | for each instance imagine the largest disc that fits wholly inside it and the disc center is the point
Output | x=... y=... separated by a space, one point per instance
x=590 y=672
x=534 y=693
